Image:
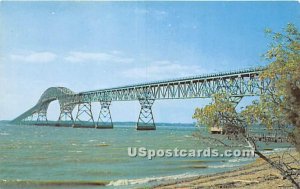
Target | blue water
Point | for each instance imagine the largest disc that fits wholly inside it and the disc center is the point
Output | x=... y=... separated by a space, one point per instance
x=35 y=154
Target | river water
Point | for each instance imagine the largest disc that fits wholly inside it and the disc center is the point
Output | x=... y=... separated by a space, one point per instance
x=47 y=157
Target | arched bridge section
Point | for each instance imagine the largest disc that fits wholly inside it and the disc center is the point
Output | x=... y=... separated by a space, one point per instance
x=39 y=111
x=237 y=84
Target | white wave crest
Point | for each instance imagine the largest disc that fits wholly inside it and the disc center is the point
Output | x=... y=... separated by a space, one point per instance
x=275 y=150
x=224 y=166
x=124 y=182
x=236 y=160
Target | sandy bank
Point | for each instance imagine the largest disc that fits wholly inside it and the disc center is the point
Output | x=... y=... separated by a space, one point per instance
x=258 y=175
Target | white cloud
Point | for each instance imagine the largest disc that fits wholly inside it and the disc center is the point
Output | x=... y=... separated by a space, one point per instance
x=157 y=14
x=100 y=57
x=34 y=57
x=163 y=70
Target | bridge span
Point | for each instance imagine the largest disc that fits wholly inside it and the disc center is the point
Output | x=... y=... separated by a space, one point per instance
x=237 y=84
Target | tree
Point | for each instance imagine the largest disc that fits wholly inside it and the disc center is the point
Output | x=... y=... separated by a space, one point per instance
x=284 y=71
x=278 y=107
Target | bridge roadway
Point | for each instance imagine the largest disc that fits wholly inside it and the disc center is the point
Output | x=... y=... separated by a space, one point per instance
x=237 y=84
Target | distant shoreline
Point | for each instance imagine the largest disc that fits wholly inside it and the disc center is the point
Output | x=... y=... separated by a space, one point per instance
x=130 y=122
x=258 y=175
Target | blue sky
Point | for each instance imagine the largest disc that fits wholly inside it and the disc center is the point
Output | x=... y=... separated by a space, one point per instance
x=94 y=45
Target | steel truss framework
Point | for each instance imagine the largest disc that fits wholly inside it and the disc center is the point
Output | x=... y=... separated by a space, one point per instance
x=146 y=119
x=237 y=84
x=104 y=119
x=235 y=100
x=66 y=116
x=84 y=114
x=42 y=114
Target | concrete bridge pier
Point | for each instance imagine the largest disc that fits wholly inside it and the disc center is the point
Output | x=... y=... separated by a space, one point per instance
x=104 y=119
x=84 y=117
x=146 y=119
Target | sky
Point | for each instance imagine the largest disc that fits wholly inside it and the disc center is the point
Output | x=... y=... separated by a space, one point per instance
x=92 y=45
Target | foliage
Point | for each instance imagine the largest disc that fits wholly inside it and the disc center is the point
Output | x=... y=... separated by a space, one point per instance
x=220 y=108
x=278 y=107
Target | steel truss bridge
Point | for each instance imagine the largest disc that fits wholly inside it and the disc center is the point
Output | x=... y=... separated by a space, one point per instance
x=237 y=84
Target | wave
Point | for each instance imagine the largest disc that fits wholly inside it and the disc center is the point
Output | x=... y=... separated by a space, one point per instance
x=4 y=134
x=235 y=162
x=231 y=165
x=240 y=160
x=277 y=150
x=124 y=182
x=50 y=183
x=75 y=151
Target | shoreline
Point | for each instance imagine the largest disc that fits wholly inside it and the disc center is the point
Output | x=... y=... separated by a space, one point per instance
x=257 y=174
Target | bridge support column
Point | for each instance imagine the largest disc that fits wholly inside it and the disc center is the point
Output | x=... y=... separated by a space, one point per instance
x=28 y=120
x=235 y=100
x=104 y=119
x=84 y=112
x=42 y=115
x=65 y=116
x=146 y=120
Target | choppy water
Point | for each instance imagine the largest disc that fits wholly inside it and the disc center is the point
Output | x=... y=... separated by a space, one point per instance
x=44 y=157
